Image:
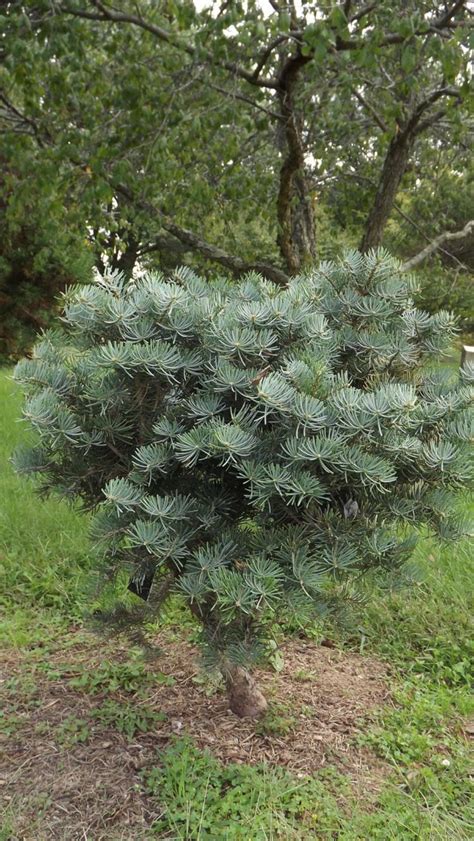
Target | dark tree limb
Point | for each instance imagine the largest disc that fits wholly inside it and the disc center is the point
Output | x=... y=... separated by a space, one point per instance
x=365 y=10
x=371 y=110
x=15 y=117
x=230 y=261
x=393 y=170
x=425 y=236
x=195 y=243
x=396 y=162
x=347 y=7
x=435 y=26
x=103 y=12
x=447 y=17
x=234 y=95
x=262 y=60
x=415 y=123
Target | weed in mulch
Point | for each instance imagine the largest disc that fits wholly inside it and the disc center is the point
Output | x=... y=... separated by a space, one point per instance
x=128 y=719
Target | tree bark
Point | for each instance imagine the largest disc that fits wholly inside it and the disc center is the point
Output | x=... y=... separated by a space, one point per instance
x=229 y=261
x=396 y=161
x=245 y=698
x=295 y=216
x=393 y=170
x=125 y=261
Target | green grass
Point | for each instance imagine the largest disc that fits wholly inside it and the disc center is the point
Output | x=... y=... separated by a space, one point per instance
x=425 y=634
x=428 y=630
x=44 y=548
x=202 y=799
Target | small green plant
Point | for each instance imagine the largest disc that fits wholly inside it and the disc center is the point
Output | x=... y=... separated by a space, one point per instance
x=419 y=726
x=72 y=731
x=277 y=721
x=21 y=685
x=114 y=677
x=274 y=656
x=7 y=831
x=42 y=728
x=202 y=799
x=127 y=718
x=210 y=680
x=303 y=676
x=10 y=723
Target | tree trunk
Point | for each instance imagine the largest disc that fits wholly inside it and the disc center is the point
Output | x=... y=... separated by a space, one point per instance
x=245 y=698
x=393 y=170
x=125 y=261
x=296 y=235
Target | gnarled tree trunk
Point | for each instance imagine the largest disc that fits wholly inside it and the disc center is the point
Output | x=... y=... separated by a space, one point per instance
x=245 y=698
x=393 y=170
x=296 y=224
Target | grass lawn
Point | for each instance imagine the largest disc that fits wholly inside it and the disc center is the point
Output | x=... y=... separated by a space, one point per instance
x=367 y=738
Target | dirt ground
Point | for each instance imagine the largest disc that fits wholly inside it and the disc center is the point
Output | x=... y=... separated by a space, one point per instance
x=92 y=789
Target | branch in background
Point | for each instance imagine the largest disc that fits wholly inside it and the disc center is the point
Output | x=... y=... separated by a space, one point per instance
x=261 y=62
x=414 y=123
x=16 y=118
x=430 y=121
x=433 y=246
x=164 y=243
x=410 y=221
x=436 y=26
x=295 y=214
x=396 y=162
x=108 y=14
x=217 y=255
x=273 y=114
x=425 y=236
x=212 y=252
x=362 y=12
x=368 y=107
x=445 y=19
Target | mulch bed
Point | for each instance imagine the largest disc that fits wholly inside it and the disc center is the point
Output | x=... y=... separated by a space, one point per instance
x=93 y=790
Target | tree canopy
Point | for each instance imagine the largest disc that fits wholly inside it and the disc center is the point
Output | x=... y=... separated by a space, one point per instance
x=245 y=135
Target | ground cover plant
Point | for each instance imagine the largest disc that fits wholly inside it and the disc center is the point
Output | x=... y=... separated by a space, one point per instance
x=253 y=448
x=54 y=785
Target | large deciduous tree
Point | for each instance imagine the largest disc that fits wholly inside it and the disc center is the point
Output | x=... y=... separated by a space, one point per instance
x=232 y=133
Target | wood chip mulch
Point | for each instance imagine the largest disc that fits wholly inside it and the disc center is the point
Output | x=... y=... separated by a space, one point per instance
x=94 y=790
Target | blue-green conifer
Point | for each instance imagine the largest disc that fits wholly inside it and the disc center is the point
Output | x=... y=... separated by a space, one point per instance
x=254 y=448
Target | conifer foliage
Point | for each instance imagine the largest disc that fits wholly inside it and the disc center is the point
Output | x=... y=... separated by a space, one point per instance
x=252 y=447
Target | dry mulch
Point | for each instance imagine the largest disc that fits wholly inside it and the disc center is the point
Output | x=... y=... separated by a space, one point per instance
x=93 y=790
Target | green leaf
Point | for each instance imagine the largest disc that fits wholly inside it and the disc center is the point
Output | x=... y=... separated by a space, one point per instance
x=409 y=58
